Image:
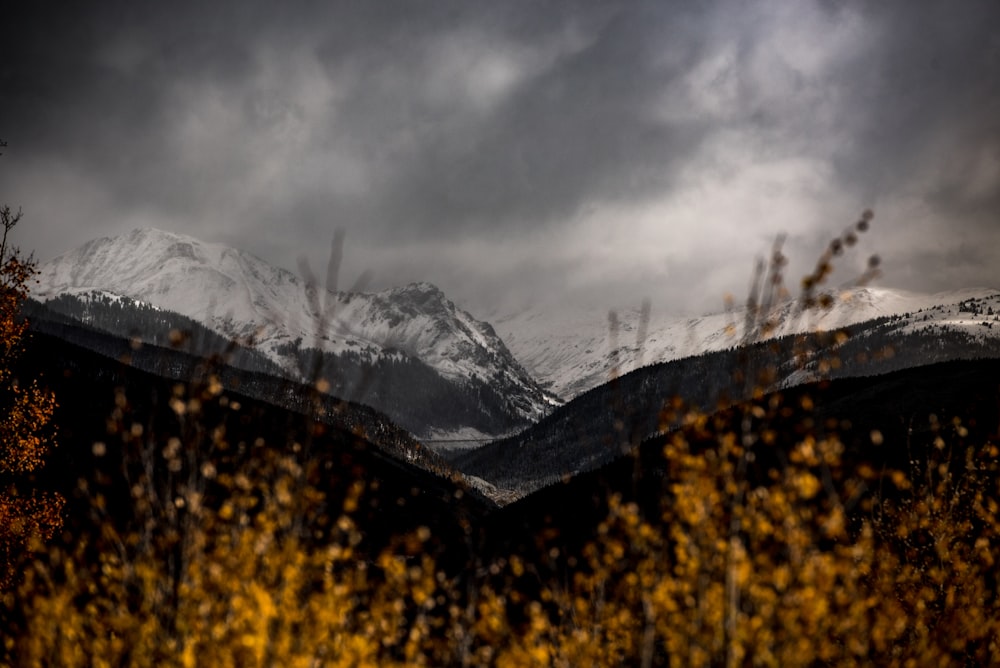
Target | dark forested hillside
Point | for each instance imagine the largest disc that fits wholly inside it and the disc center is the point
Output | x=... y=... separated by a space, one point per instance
x=89 y=384
x=413 y=393
x=906 y=410
x=70 y=316
x=609 y=421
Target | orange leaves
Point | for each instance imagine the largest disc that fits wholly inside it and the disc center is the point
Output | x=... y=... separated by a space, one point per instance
x=31 y=516
x=26 y=412
x=23 y=429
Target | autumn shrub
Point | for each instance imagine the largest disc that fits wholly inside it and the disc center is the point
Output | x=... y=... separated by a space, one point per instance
x=26 y=429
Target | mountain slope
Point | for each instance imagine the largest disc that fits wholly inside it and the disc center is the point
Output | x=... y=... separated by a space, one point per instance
x=903 y=406
x=570 y=351
x=404 y=485
x=243 y=298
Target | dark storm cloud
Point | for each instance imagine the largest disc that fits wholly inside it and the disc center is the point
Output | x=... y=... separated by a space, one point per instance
x=501 y=148
x=579 y=128
x=928 y=82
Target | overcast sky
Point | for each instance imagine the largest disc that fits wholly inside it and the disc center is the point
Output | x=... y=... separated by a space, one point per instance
x=516 y=152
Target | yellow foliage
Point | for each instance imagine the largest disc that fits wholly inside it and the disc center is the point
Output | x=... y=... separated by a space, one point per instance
x=727 y=575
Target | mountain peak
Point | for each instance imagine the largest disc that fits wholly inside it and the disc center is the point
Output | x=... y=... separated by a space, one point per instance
x=155 y=233
x=148 y=237
x=419 y=287
x=421 y=296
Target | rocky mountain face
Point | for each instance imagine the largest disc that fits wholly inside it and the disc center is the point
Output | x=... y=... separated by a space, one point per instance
x=387 y=346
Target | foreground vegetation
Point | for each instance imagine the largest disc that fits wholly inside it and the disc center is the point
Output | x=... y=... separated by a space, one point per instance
x=792 y=556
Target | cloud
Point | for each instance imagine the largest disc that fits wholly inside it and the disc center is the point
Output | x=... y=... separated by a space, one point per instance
x=518 y=150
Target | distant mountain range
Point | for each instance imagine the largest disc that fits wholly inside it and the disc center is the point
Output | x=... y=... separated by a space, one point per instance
x=571 y=350
x=441 y=374
x=408 y=351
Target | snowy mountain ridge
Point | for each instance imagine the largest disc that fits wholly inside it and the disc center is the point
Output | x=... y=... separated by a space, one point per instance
x=570 y=351
x=242 y=297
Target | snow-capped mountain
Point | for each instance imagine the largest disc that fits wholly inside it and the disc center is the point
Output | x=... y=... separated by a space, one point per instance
x=963 y=324
x=243 y=298
x=572 y=350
